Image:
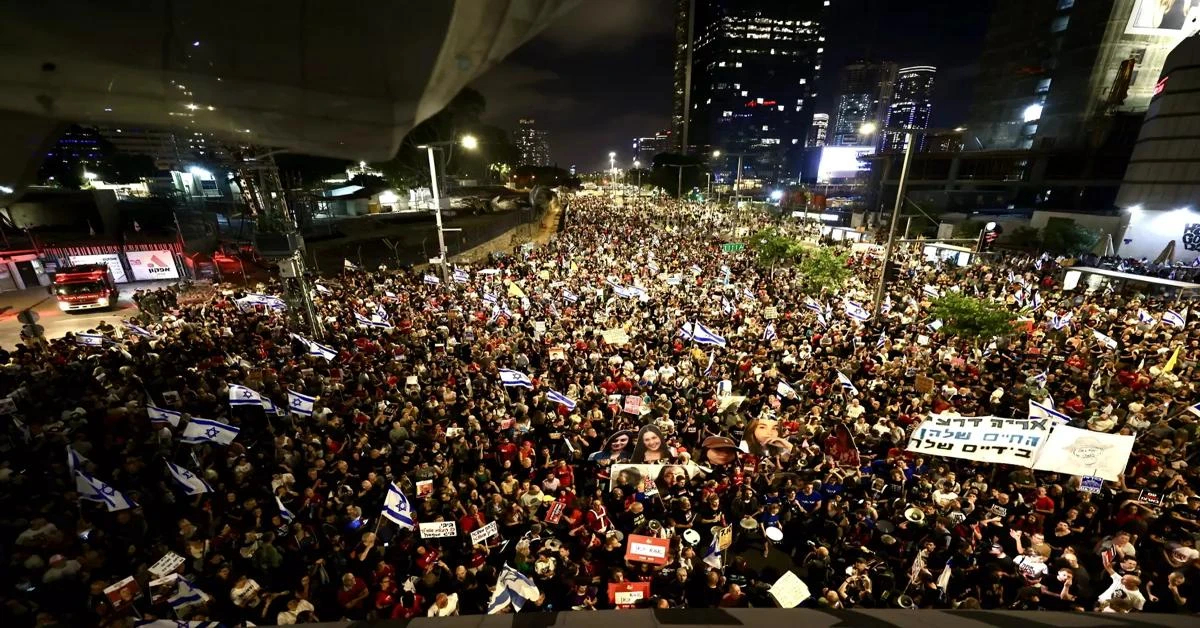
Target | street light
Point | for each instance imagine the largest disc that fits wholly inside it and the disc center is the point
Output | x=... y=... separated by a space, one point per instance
x=716 y=154
x=868 y=128
x=637 y=165
x=90 y=176
x=468 y=142
x=612 y=172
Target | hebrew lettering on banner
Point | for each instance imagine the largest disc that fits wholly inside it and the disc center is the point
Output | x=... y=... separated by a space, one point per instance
x=985 y=438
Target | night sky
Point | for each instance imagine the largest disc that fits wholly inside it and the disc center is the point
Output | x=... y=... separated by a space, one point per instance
x=602 y=75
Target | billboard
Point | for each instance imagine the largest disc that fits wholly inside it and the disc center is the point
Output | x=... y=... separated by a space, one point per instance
x=842 y=162
x=112 y=260
x=150 y=265
x=1174 y=18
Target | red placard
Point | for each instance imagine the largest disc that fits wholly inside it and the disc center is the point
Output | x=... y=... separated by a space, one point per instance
x=627 y=594
x=647 y=549
x=555 y=513
x=633 y=405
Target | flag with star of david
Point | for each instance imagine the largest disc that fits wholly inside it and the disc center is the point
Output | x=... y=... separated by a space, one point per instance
x=208 y=431
x=94 y=490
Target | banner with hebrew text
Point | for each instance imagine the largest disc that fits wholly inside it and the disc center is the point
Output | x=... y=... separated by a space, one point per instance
x=982 y=438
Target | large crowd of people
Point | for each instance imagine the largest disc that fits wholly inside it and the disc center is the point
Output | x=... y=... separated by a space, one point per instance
x=550 y=392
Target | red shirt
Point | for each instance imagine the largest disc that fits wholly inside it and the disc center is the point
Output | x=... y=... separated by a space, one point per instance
x=344 y=596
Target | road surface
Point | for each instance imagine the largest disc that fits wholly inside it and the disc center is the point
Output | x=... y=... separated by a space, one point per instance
x=56 y=322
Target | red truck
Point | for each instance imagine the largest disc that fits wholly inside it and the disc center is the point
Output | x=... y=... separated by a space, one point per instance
x=85 y=287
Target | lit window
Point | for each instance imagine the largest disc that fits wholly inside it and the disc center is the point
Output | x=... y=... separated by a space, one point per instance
x=781 y=107
x=745 y=93
x=708 y=102
x=738 y=64
x=721 y=64
x=797 y=107
x=803 y=81
x=726 y=114
x=765 y=127
x=737 y=85
x=820 y=50
x=794 y=140
x=758 y=100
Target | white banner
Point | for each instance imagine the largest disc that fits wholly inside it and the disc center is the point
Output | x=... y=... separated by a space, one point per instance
x=984 y=439
x=789 y=590
x=484 y=533
x=1074 y=451
x=112 y=260
x=149 y=265
x=439 y=529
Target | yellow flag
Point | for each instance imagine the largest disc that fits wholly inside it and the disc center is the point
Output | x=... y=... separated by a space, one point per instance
x=1171 y=363
x=515 y=291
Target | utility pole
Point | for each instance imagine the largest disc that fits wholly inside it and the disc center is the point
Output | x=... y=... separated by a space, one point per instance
x=437 y=213
x=910 y=139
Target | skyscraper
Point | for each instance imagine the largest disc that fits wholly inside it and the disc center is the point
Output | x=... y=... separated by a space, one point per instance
x=1054 y=74
x=819 y=131
x=864 y=93
x=532 y=143
x=685 y=11
x=911 y=105
x=645 y=148
x=754 y=69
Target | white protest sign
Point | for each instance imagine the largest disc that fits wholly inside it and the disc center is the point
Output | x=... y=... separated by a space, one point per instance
x=439 y=530
x=166 y=565
x=484 y=533
x=789 y=590
x=983 y=438
x=770 y=312
x=539 y=326
x=616 y=336
x=1075 y=451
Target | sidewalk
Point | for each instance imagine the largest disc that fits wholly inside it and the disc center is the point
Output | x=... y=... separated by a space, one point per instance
x=13 y=302
x=539 y=234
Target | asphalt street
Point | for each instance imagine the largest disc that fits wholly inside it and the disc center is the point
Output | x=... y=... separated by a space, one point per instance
x=55 y=321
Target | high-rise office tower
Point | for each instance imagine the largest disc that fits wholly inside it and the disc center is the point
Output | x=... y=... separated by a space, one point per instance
x=532 y=143
x=910 y=107
x=685 y=12
x=819 y=131
x=1054 y=72
x=645 y=148
x=864 y=93
x=754 y=68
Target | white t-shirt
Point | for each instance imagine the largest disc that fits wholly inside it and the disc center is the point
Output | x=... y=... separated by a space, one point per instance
x=451 y=607
x=1119 y=591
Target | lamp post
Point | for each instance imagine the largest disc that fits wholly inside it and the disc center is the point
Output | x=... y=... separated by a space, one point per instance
x=612 y=173
x=468 y=142
x=637 y=165
x=910 y=139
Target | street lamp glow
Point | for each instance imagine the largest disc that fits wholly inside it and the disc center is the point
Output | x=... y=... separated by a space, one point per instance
x=90 y=176
x=469 y=142
x=612 y=155
x=636 y=163
x=716 y=153
x=4 y=189
x=868 y=128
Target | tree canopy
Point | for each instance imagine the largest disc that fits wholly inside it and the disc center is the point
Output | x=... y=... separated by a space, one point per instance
x=971 y=318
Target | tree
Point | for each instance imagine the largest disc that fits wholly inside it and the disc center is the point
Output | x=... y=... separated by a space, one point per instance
x=1023 y=237
x=824 y=269
x=774 y=248
x=971 y=318
x=1063 y=236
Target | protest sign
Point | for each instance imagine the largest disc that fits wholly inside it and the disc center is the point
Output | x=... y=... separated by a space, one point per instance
x=539 y=327
x=616 y=336
x=484 y=533
x=724 y=538
x=983 y=439
x=167 y=564
x=438 y=529
x=731 y=400
x=163 y=588
x=555 y=512
x=789 y=590
x=770 y=313
x=627 y=594
x=1075 y=451
x=424 y=488
x=1091 y=484
x=123 y=594
x=923 y=384
x=647 y=549
x=633 y=405
x=172 y=398
x=558 y=353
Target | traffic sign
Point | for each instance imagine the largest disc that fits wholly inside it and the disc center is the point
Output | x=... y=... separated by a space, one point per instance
x=733 y=247
x=28 y=317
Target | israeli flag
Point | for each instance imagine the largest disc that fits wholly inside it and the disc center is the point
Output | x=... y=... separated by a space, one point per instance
x=159 y=416
x=712 y=357
x=208 y=431
x=461 y=276
x=512 y=588
x=363 y=321
x=1036 y=303
x=726 y=306
x=348 y=265
x=856 y=311
x=813 y=305
x=1059 y=322
x=489 y=298
x=300 y=404
x=136 y=330
x=94 y=490
x=653 y=266
x=242 y=396
x=192 y=484
x=431 y=279
x=769 y=333
x=887 y=304
x=822 y=320
x=568 y=296
x=712 y=555
x=701 y=334
x=630 y=292
x=1046 y=411
x=935 y=325
x=1176 y=319
x=186 y=595
x=931 y=291
x=561 y=399
x=322 y=289
x=1039 y=379
x=784 y=389
x=381 y=312
x=75 y=460
x=846 y=383
x=881 y=341
x=1145 y=317
x=175 y=623
x=1105 y=339
x=322 y=351
x=89 y=340
x=248 y=302
x=1194 y=409
x=397 y=509
x=510 y=377
x=284 y=513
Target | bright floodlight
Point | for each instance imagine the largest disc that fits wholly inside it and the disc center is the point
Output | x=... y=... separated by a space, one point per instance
x=469 y=142
x=868 y=128
x=716 y=153
x=1032 y=112
x=200 y=172
x=990 y=226
x=612 y=155
x=90 y=176
x=636 y=163
x=777 y=195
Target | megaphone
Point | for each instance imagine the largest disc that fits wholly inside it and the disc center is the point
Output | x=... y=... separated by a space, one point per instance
x=914 y=515
x=905 y=601
x=654 y=526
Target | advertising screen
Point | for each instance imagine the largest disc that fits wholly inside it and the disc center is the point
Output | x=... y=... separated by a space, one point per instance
x=112 y=260
x=1178 y=18
x=841 y=162
x=150 y=265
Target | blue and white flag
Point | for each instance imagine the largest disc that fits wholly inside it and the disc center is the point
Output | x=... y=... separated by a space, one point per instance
x=726 y=306
x=242 y=396
x=299 y=404
x=1046 y=411
x=192 y=483
x=712 y=555
x=1175 y=319
x=846 y=383
x=856 y=311
x=90 y=340
x=381 y=312
x=510 y=377
x=75 y=460
x=1144 y=317
x=701 y=334
x=322 y=289
x=431 y=279
x=931 y=291
x=397 y=508
x=561 y=399
x=569 y=297
x=1194 y=409
x=712 y=357
x=284 y=513
x=160 y=416
x=136 y=330
x=1040 y=379
x=1059 y=322
x=249 y=301
x=881 y=341
x=175 y=623
x=1105 y=339
x=887 y=304
x=94 y=490
x=769 y=333
x=363 y=321
x=186 y=595
x=1036 y=303
x=512 y=588
x=461 y=276
x=489 y=298
x=322 y=351
x=822 y=320
x=784 y=389
x=208 y=431
x=935 y=325
x=348 y=265
x=813 y=305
